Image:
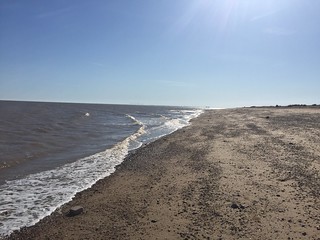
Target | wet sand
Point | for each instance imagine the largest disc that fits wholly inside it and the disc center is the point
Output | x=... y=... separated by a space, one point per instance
x=248 y=173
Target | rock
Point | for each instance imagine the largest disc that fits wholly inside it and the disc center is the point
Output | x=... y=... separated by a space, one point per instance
x=237 y=206
x=74 y=211
x=234 y=206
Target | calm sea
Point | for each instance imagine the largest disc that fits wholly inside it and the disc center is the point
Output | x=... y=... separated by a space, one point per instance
x=51 y=151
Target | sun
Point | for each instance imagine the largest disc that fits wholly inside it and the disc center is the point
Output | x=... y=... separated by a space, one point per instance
x=227 y=14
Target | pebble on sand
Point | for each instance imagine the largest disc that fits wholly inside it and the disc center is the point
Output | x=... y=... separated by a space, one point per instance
x=74 y=211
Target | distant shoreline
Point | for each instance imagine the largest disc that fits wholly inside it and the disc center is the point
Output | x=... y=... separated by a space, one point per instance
x=289 y=106
x=200 y=107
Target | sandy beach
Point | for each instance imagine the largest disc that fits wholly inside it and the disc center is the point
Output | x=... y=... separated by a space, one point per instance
x=249 y=173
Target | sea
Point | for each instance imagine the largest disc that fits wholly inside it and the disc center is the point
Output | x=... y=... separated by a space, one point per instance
x=51 y=151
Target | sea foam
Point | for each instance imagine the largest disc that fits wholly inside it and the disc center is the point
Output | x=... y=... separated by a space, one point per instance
x=24 y=202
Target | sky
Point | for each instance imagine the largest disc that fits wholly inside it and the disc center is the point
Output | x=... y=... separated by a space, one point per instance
x=217 y=53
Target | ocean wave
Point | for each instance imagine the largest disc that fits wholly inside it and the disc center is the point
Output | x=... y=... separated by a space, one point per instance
x=24 y=202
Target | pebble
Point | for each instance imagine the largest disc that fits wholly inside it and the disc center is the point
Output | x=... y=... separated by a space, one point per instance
x=74 y=211
x=237 y=206
x=234 y=206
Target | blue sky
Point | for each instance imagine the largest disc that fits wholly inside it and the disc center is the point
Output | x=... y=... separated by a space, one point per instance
x=219 y=53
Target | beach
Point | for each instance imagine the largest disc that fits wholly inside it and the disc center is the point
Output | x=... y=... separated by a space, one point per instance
x=246 y=173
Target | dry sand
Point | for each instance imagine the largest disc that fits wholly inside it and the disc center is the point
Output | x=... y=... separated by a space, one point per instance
x=233 y=174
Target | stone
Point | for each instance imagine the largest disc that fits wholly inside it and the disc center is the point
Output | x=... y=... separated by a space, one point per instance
x=74 y=211
x=237 y=206
x=234 y=206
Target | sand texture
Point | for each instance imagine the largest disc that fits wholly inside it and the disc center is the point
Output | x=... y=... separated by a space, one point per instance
x=250 y=173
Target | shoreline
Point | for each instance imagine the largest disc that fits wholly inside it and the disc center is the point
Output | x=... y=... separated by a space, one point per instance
x=231 y=174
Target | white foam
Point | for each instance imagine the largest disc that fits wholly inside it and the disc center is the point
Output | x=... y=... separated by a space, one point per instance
x=25 y=201
x=182 y=119
x=134 y=120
